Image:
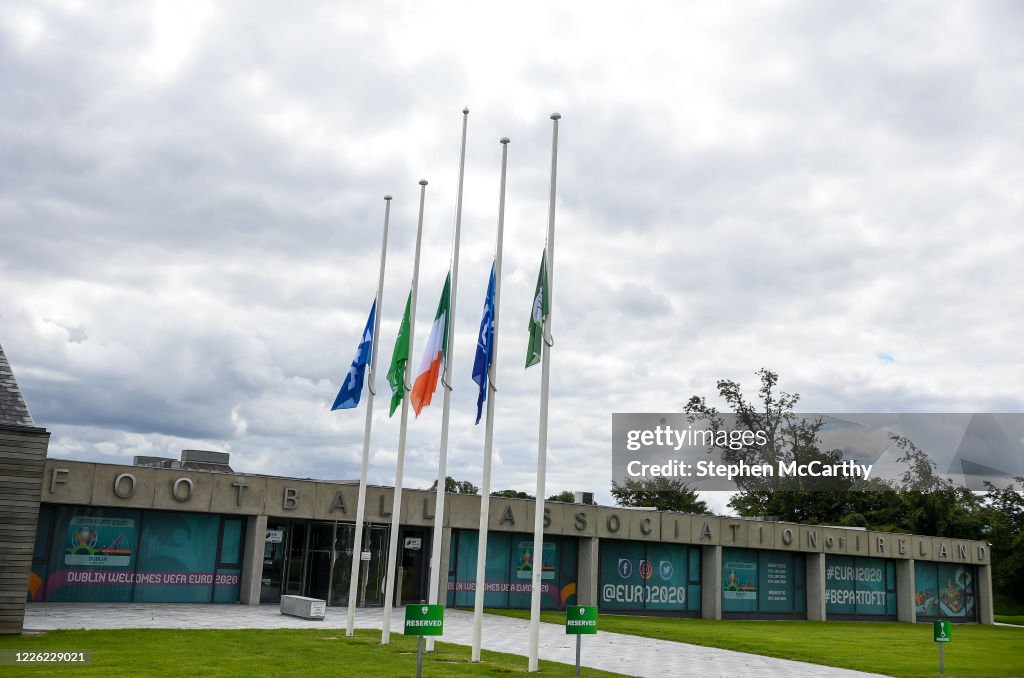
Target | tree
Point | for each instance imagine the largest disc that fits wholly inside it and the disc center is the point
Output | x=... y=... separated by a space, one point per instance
x=921 y=502
x=1004 y=517
x=930 y=504
x=664 y=494
x=565 y=496
x=772 y=417
x=512 y=494
x=453 y=486
x=788 y=439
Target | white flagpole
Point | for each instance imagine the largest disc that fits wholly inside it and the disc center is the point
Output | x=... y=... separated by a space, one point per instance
x=357 y=544
x=485 y=490
x=542 y=445
x=446 y=384
x=396 y=504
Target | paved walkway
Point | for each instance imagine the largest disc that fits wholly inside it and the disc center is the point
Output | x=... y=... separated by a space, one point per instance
x=630 y=655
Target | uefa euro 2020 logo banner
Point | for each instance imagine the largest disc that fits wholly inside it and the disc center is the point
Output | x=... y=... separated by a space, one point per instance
x=102 y=542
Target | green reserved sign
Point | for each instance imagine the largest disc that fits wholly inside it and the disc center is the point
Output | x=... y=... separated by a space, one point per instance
x=943 y=631
x=581 y=619
x=424 y=620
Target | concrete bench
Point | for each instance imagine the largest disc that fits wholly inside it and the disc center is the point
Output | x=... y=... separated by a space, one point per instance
x=300 y=606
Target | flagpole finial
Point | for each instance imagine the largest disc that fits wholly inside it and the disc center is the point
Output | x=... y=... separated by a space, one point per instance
x=387 y=197
x=504 y=140
x=465 y=110
x=556 y=116
x=423 y=182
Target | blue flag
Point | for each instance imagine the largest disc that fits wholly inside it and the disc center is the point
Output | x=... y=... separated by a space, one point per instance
x=352 y=387
x=484 y=347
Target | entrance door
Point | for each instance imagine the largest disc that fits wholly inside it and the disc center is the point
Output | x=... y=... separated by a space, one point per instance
x=318 y=560
x=373 y=571
x=414 y=555
x=296 y=560
x=275 y=562
x=343 y=565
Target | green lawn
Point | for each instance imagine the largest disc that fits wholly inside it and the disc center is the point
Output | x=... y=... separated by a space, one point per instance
x=252 y=653
x=1017 y=619
x=879 y=647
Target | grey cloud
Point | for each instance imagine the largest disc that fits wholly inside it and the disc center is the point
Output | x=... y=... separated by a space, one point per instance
x=189 y=261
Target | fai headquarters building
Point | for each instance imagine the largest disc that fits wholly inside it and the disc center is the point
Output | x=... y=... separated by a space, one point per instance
x=192 y=530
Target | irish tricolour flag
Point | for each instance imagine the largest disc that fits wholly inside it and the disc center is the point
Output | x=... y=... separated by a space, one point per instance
x=436 y=353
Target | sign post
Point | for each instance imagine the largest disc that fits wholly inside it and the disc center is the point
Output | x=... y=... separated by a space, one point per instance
x=580 y=620
x=423 y=620
x=942 y=633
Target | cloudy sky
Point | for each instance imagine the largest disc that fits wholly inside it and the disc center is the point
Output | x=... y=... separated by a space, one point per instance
x=191 y=201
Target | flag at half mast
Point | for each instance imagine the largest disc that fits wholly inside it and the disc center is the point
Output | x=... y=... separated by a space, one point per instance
x=399 y=357
x=540 y=310
x=352 y=387
x=436 y=353
x=484 y=347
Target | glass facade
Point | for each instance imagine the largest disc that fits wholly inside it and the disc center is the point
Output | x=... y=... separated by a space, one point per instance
x=649 y=577
x=859 y=587
x=311 y=558
x=98 y=554
x=101 y=554
x=509 y=570
x=370 y=588
x=124 y=555
x=945 y=590
x=763 y=583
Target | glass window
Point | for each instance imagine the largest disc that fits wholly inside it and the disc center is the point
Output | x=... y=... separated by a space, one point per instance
x=667 y=582
x=93 y=554
x=945 y=590
x=177 y=557
x=643 y=576
x=508 y=573
x=739 y=580
x=776 y=582
x=43 y=528
x=860 y=586
x=122 y=555
x=761 y=581
x=40 y=554
x=231 y=542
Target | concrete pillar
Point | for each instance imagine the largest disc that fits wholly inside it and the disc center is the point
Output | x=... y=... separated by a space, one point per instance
x=252 y=560
x=586 y=580
x=906 y=611
x=815 y=587
x=446 y=552
x=986 y=612
x=711 y=582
